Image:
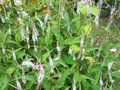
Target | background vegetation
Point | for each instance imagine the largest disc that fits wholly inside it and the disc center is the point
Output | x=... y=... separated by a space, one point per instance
x=59 y=45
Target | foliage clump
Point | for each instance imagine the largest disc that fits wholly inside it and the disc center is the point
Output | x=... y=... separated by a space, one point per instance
x=59 y=45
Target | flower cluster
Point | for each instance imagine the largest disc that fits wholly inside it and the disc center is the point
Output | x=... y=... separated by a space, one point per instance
x=109 y=73
x=18 y=2
x=37 y=67
x=35 y=35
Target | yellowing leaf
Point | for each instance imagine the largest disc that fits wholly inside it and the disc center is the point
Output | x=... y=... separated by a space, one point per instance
x=87 y=29
x=72 y=40
x=94 y=10
x=75 y=48
x=90 y=59
x=83 y=9
x=0 y=9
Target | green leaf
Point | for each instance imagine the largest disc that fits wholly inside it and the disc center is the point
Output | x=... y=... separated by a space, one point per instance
x=3 y=37
x=11 y=42
x=60 y=62
x=86 y=84
x=96 y=87
x=83 y=9
x=66 y=72
x=87 y=29
x=76 y=76
x=56 y=32
x=66 y=18
x=45 y=56
x=72 y=40
x=2 y=69
x=46 y=84
x=75 y=48
x=3 y=82
x=47 y=36
x=96 y=80
x=82 y=77
x=31 y=78
x=29 y=85
x=68 y=88
x=68 y=60
x=10 y=70
x=18 y=37
x=94 y=10
x=20 y=54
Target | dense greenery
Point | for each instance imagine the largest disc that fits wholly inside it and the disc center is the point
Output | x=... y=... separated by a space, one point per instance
x=48 y=45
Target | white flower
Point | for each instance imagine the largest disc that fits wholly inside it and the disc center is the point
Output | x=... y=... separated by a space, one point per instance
x=96 y=20
x=83 y=2
x=19 y=87
x=18 y=2
x=3 y=50
x=27 y=36
x=40 y=75
x=109 y=73
x=46 y=18
x=113 y=50
x=110 y=65
x=110 y=77
x=51 y=61
x=58 y=48
x=58 y=51
x=23 y=34
x=23 y=75
x=82 y=42
x=73 y=55
x=9 y=30
x=101 y=81
x=20 y=21
x=70 y=51
x=24 y=14
x=35 y=48
x=34 y=34
x=14 y=55
x=51 y=5
x=38 y=67
x=28 y=63
x=74 y=85
x=51 y=64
